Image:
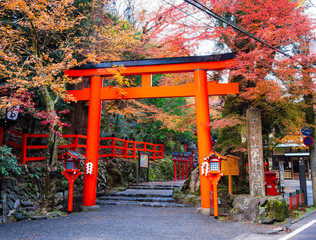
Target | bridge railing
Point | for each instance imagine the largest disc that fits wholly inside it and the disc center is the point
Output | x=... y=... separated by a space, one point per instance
x=31 y=147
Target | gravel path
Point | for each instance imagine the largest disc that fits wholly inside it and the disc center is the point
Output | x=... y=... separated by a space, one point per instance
x=128 y=222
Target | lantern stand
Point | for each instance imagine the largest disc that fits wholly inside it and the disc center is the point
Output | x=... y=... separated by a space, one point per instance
x=72 y=163
x=211 y=168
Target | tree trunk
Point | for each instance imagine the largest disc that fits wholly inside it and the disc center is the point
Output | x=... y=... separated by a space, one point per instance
x=49 y=186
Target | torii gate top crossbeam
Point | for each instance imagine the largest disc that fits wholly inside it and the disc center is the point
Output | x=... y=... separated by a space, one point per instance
x=156 y=66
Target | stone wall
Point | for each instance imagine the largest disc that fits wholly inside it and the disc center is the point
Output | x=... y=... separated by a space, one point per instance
x=22 y=194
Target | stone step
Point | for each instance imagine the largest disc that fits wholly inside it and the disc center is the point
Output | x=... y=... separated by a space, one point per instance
x=142 y=204
x=138 y=199
x=143 y=193
x=152 y=194
x=162 y=187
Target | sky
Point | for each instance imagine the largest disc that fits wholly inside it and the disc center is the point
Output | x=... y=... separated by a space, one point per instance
x=311 y=10
x=205 y=47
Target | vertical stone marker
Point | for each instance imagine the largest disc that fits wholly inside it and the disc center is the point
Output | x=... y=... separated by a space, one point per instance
x=255 y=152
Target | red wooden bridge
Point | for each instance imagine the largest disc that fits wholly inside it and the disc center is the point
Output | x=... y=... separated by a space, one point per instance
x=23 y=147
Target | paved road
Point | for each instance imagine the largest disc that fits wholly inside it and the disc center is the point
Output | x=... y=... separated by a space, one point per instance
x=304 y=229
x=128 y=222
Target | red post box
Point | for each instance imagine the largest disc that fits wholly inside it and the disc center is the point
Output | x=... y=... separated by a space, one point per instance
x=271 y=184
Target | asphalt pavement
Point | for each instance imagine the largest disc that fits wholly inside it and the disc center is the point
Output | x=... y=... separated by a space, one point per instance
x=129 y=222
x=115 y=222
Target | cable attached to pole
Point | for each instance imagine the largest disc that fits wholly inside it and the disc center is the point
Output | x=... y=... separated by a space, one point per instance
x=208 y=11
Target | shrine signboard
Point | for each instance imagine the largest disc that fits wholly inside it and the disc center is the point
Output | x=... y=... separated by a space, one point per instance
x=230 y=168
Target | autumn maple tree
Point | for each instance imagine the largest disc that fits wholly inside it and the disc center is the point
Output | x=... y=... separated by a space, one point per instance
x=269 y=80
x=275 y=82
x=42 y=38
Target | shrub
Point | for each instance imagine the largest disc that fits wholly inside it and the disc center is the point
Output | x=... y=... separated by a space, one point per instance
x=8 y=162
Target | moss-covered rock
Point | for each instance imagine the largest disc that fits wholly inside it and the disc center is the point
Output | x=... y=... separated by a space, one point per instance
x=113 y=175
x=245 y=208
x=274 y=209
x=192 y=184
x=186 y=199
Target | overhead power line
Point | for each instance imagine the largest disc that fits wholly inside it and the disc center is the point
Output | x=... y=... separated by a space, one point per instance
x=189 y=15
x=208 y=11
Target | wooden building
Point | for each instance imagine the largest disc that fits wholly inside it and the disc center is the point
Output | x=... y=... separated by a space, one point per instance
x=290 y=155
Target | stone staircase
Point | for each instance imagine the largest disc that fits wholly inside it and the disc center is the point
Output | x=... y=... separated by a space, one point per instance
x=145 y=195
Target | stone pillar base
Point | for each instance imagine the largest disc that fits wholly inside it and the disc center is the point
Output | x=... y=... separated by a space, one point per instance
x=204 y=211
x=91 y=208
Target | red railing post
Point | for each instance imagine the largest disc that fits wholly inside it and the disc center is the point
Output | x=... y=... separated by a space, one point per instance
x=191 y=161
x=175 y=170
x=145 y=146
x=186 y=170
x=179 y=170
x=113 y=147
x=154 y=152
x=161 y=150
x=24 y=148
x=134 y=149
x=125 y=148
x=290 y=203
x=183 y=169
x=74 y=142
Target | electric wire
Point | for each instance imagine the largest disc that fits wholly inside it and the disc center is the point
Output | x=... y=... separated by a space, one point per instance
x=310 y=1
x=208 y=11
x=189 y=15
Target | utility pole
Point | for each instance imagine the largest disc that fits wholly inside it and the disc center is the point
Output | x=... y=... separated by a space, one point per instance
x=312 y=153
x=310 y=119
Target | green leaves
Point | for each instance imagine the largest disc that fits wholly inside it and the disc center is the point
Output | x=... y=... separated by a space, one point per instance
x=8 y=162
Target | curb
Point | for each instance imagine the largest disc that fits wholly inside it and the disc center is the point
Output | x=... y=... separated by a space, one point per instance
x=305 y=216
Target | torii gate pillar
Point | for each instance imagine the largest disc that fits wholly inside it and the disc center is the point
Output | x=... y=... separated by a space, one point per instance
x=203 y=130
x=93 y=141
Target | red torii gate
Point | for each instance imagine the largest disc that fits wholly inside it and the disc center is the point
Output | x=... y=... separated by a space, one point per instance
x=200 y=89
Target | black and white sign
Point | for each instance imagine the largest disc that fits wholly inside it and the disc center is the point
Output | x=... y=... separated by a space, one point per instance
x=13 y=113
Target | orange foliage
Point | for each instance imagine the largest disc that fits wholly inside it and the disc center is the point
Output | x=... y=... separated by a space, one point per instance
x=40 y=38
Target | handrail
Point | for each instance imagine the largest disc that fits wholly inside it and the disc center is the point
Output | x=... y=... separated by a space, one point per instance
x=118 y=147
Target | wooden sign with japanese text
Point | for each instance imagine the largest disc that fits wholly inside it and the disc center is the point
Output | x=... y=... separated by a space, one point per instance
x=230 y=166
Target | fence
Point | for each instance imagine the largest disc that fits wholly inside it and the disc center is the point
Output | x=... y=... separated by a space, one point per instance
x=296 y=200
x=34 y=144
x=183 y=164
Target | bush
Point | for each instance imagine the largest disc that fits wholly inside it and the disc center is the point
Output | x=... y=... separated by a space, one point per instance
x=161 y=170
x=8 y=162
